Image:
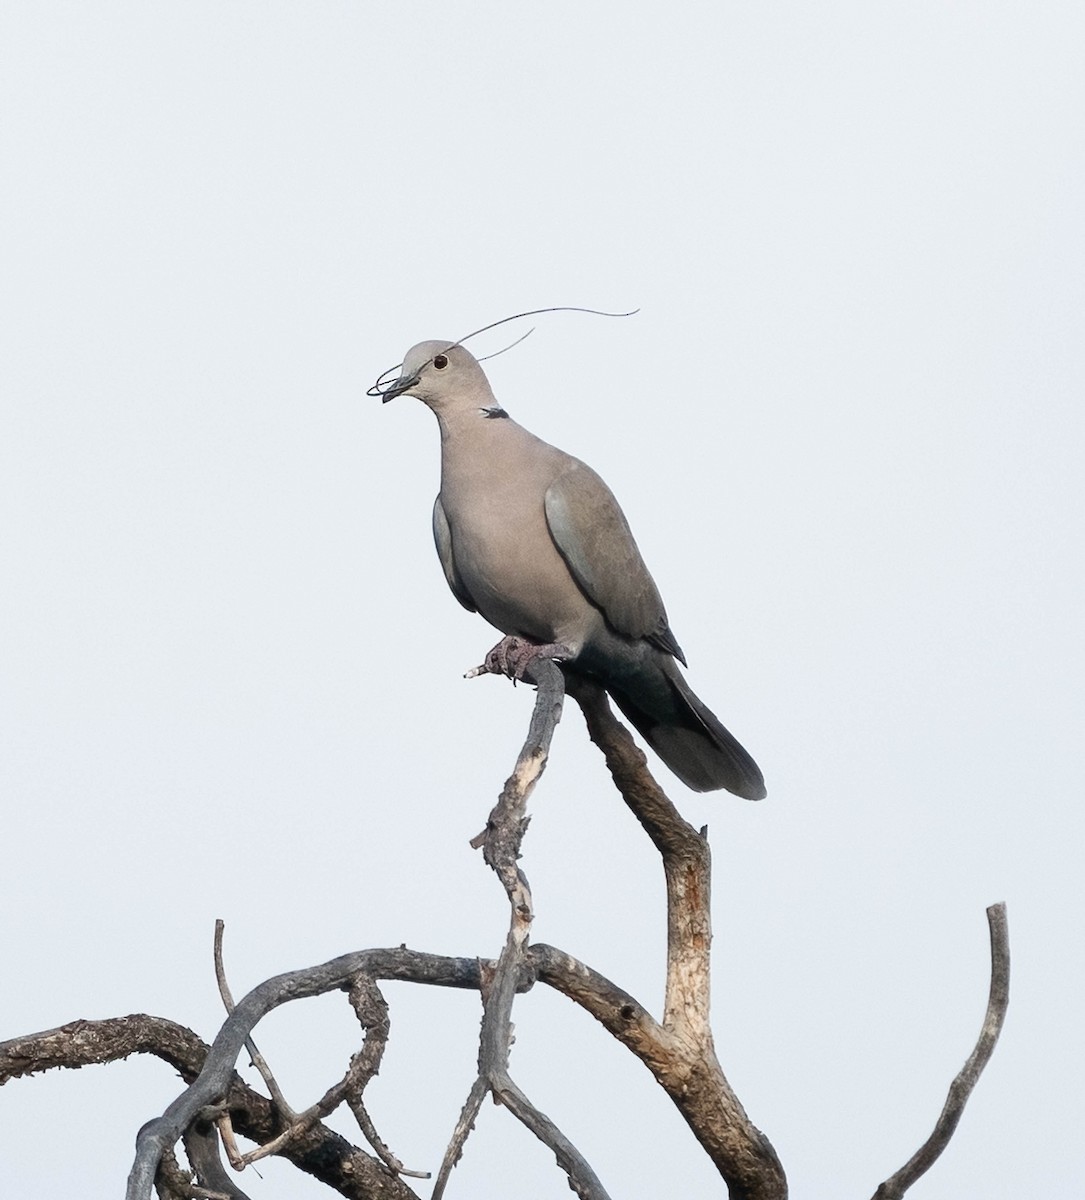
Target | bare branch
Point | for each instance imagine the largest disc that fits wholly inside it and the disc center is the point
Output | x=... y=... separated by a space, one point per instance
x=501 y=841
x=679 y=1052
x=968 y=1076
x=466 y=1122
x=372 y=1012
x=218 y=1071
x=507 y=822
x=171 y=1182
x=582 y=1179
x=369 y=1132
x=687 y=865
x=258 y=1060
x=322 y=1152
x=86 y=1043
x=225 y=1127
x=202 y=1148
x=616 y=1010
x=501 y=848
x=371 y=1008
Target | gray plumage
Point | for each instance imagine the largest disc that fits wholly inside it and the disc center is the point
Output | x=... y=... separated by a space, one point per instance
x=534 y=540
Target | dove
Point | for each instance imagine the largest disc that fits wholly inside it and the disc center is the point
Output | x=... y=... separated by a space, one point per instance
x=534 y=541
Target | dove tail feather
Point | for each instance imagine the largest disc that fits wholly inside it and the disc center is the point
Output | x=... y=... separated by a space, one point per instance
x=692 y=741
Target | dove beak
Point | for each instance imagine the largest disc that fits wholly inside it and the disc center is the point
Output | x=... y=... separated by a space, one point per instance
x=403 y=384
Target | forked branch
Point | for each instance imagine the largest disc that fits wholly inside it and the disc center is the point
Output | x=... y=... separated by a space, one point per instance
x=677 y=1048
x=679 y=1051
x=320 y=1152
x=209 y=1089
x=500 y=842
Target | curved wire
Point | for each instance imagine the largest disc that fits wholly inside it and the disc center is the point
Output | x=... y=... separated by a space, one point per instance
x=487 y=357
x=384 y=385
x=537 y=312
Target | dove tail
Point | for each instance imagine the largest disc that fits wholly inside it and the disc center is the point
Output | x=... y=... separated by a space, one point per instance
x=692 y=741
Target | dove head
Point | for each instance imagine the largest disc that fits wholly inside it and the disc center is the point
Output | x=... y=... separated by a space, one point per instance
x=444 y=376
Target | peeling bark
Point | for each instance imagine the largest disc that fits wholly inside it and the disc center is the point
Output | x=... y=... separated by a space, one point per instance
x=677 y=1047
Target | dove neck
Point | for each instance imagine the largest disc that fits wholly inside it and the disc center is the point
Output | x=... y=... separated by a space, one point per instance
x=475 y=422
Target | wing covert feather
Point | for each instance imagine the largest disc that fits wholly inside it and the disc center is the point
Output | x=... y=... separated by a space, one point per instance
x=593 y=536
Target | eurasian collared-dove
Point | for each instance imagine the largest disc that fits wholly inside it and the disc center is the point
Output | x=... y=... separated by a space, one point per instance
x=534 y=540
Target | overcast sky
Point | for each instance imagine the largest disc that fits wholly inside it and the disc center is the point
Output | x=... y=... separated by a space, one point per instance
x=846 y=427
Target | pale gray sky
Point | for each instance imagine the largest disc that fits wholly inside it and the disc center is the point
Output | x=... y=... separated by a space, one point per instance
x=846 y=428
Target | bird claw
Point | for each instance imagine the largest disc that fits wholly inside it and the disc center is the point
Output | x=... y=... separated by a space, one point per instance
x=514 y=656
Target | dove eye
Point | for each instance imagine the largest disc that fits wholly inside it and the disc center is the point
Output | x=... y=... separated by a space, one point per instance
x=440 y=362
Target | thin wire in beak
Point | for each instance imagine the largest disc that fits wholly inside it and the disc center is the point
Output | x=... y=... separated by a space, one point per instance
x=389 y=388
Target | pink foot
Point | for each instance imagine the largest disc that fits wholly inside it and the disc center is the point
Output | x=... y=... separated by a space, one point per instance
x=513 y=656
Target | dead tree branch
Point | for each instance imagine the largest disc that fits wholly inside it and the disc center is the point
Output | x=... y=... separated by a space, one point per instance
x=679 y=1051
x=678 y=1048
x=211 y=1084
x=500 y=842
x=321 y=1152
x=202 y=1147
x=372 y=1012
x=257 y=1059
x=962 y=1086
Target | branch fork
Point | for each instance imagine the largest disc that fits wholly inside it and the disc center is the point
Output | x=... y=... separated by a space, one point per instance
x=678 y=1048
